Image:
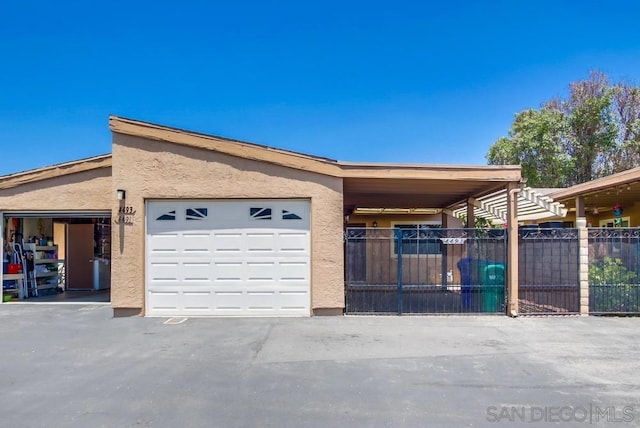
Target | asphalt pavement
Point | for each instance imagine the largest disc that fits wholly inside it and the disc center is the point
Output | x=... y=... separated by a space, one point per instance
x=77 y=366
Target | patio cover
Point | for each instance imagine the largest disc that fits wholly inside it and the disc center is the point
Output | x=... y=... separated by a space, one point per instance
x=533 y=204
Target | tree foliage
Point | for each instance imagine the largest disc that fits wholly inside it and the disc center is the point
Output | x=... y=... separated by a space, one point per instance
x=537 y=142
x=479 y=222
x=593 y=133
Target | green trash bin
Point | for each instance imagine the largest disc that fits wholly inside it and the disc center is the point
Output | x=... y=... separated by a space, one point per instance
x=492 y=280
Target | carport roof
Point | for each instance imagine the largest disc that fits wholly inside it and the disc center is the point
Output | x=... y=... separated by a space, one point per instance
x=430 y=191
x=603 y=193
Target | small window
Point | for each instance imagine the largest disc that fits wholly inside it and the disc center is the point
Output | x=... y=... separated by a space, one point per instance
x=196 y=213
x=260 y=213
x=611 y=222
x=288 y=215
x=170 y=216
x=418 y=239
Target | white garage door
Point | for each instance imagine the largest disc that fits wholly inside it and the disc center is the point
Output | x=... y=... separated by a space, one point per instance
x=223 y=258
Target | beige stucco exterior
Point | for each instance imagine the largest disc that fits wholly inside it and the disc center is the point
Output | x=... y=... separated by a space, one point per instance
x=87 y=190
x=153 y=162
x=150 y=170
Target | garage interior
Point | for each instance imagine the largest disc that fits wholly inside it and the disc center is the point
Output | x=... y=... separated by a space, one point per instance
x=56 y=257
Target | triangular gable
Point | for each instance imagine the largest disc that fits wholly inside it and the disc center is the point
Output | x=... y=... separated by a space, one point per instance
x=226 y=146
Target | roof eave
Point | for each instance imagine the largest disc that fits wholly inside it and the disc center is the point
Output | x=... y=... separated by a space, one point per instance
x=508 y=173
x=53 y=171
x=619 y=179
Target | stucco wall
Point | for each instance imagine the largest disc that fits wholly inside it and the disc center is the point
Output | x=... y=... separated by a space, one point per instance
x=149 y=169
x=87 y=190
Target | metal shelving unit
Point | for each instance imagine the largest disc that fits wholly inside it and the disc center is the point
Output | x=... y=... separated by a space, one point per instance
x=46 y=272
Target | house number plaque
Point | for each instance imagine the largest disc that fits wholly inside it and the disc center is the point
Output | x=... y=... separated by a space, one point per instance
x=126 y=214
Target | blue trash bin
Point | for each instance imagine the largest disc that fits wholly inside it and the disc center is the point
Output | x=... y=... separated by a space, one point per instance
x=468 y=278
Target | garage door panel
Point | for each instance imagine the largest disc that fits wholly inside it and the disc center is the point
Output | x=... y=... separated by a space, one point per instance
x=196 y=271
x=197 y=300
x=293 y=243
x=227 y=243
x=229 y=301
x=194 y=242
x=161 y=245
x=159 y=270
x=294 y=271
x=170 y=244
x=246 y=258
x=163 y=269
x=260 y=300
x=261 y=271
x=294 y=300
x=228 y=271
x=163 y=300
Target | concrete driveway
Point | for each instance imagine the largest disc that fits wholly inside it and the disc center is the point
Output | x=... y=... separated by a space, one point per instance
x=76 y=366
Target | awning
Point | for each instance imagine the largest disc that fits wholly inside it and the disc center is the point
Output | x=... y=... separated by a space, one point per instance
x=533 y=204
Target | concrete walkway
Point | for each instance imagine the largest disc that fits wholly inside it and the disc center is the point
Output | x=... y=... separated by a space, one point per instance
x=76 y=366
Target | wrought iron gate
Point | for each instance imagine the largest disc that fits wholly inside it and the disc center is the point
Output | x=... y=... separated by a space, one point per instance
x=614 y=271
x=548 y=274
x=424 y=270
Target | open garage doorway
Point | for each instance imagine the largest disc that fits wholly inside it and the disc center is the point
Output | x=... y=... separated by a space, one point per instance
x=56 y=256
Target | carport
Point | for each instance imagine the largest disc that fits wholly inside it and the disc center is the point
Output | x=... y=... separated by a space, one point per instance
x=407 y=251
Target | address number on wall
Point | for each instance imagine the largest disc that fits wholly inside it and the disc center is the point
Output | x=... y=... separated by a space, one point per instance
x=125 y=215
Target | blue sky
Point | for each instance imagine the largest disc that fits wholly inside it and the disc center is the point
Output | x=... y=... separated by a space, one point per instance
x=405 y=81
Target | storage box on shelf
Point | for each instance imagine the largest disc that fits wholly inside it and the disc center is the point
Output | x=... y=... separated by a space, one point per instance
x=12 y=285
x=12 y=281
x=46 y=266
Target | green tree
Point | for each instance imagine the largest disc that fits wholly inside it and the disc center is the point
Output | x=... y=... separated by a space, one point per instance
x=592 y=126
x=593 y=133
x=478 y=222
x=537 y=142
x=627 y=110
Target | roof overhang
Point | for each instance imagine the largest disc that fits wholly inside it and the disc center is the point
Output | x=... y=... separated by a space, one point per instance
x=53 y=171
x=603 y=193
x=412 y=193
x=394 y=211
x=393 y=186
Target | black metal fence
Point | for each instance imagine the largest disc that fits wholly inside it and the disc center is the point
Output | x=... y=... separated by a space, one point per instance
x=548 y=273
x=614 y=271
x=425 y=270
